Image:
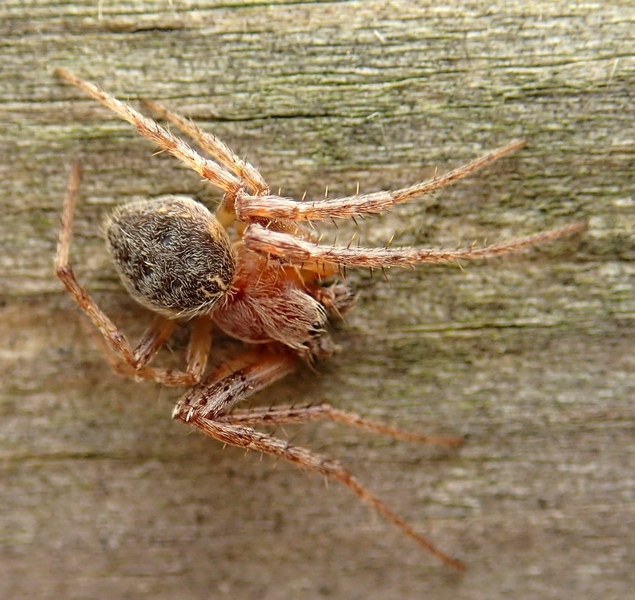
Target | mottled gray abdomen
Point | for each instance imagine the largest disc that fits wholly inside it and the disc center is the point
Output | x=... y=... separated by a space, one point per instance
x=172 y=254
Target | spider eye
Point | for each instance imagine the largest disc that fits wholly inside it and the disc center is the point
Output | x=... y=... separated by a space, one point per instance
x=172 y=254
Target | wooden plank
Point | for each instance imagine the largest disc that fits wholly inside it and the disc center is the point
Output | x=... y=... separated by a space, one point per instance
x=531 y=357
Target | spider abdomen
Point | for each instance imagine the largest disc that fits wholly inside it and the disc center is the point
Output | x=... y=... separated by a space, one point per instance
x=172 y=254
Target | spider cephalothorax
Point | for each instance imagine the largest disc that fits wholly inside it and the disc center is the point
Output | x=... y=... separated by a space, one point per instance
x=266 y=284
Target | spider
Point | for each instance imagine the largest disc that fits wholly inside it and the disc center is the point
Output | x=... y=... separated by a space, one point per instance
x=255 y=272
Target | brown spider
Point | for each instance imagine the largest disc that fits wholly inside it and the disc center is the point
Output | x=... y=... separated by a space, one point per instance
x=266 y=288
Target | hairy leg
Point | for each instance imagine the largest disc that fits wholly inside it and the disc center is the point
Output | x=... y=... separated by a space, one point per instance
x=207 y=407
x=280 y=415
x=276 y=207
x=150 y=129
x=196 y=361
x=216 y=147
x=306 y=253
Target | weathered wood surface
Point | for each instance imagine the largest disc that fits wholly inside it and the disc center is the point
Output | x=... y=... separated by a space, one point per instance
x=102 y=495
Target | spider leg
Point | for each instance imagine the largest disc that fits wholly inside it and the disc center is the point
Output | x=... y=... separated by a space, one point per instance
x=280 y=415
x=223 y=154
x=152 y=340
x=113 y=338
x=206 y=407
x=150 y=129
x=226 y=212
x=235 y=380
x=276 y=207
x=121 y=355
x=196 y=361
x=216 y=147
x=306 y=253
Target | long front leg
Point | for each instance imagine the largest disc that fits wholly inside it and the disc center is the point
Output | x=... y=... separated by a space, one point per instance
x=150 y=129
x=309 y=254
x=207 y=407
x=216 y=147
x=250 y=207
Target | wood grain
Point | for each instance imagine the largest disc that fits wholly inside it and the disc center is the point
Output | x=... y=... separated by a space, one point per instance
x=102 y=495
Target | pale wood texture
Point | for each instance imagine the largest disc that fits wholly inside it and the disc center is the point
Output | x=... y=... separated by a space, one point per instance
x=103 y=496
